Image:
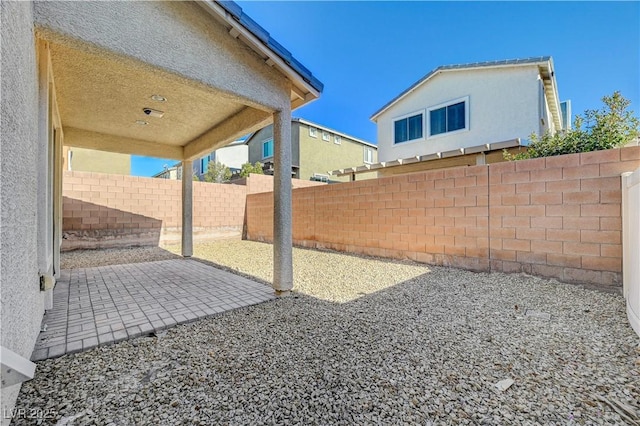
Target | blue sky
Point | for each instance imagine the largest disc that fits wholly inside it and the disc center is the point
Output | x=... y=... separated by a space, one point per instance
x=366 y=53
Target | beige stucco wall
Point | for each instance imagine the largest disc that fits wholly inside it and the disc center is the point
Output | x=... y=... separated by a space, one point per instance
x=319 y=156
x=313 y=155
x=503 y=102
x=21 y=303
x=178 y=38
x=91 y=160
x=262 y=135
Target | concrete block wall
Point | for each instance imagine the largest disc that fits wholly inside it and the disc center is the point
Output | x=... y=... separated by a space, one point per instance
x=101 y=210
x=556 y=217
x=264 y=183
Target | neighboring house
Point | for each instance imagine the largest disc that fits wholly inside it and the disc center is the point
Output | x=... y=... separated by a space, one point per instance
x=316 y=150
x=233 y=156
x=174 y=80
x=467 y=114
x=91 y=160
x=170 y=172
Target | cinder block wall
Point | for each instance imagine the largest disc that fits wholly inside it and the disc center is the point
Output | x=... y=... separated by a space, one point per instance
x=556 y=217
x=101 y=210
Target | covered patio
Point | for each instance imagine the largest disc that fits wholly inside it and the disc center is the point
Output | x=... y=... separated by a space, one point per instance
x=107 y=304
x=173 y=80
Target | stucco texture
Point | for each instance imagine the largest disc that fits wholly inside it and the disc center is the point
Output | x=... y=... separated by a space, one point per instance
x=503 y=105
x=90 y=160
x=21 y=301
x=177 y=37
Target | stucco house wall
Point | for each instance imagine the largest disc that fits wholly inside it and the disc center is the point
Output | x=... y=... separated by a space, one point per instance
x=22 y=303
x=232 y=156
x=91 y=160
x=503 y=105
x=314 y=155
x=320 y=156
x=255 y=146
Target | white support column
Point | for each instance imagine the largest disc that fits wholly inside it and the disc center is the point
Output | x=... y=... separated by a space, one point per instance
x=187 y=208
x=282 y=206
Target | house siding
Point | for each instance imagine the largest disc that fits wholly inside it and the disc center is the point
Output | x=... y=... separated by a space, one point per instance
x=503 y=105
x=321 y=156
x=22 y=304
x=90 y=160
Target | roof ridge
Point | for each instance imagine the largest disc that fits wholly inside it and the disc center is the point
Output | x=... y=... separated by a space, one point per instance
x=504 y=62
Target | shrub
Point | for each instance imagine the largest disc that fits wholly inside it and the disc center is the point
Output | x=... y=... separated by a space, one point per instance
x=612 y=126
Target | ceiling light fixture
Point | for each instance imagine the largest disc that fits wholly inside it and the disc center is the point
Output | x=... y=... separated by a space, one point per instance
x=141 y=122
x=159 y=98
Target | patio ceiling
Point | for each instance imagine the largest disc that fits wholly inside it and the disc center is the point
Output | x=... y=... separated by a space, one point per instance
x=101 y=101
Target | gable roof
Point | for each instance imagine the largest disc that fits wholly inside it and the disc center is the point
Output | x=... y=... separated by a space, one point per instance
x=319 y=126
x=330 y=130
x=544 y=62
x=258 y=39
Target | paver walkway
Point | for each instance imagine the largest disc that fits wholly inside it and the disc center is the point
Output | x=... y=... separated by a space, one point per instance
x=95 y=306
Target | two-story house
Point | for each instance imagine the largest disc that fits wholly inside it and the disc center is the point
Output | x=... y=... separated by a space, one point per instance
x=316 y=150
x=233 y=156
x=468 y=114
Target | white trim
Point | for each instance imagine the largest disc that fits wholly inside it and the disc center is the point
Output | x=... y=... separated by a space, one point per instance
x=248 y=38
x=313 y=132
x=402 y=117
x=364 y=155
x=337 y=139
x=15 y=368
x=466 y=128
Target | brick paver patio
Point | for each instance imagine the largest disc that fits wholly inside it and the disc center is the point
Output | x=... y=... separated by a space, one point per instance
x=106 y=304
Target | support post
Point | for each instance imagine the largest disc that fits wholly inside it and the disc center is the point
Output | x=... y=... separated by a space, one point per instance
x=282 y=205
x=187 y=208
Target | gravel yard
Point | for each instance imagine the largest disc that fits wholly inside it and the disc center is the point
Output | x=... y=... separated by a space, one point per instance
x=363 y=341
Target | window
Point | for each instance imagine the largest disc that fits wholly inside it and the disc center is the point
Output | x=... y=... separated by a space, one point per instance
x=204 y=164
x=337 y=139
x=313 y=132
x=448 y=118
x=326 y=136
x=408 y=128
x=267 y=148
x=368 y=155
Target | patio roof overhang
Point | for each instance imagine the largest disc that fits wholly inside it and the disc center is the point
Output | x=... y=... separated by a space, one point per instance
x=103 y=87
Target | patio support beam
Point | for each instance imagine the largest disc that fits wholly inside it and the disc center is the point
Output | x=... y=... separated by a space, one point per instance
x=282 y=204
x=187 y=208
x=80 y=138
x=246 y=121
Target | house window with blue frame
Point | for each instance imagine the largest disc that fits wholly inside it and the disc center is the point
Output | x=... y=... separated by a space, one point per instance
x=204 y=164
x=408 y=128
x=267 y=148
x=448 y=118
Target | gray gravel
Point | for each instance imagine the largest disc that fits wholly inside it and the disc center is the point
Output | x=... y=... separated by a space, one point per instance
x=364 y=341
x=114 y=256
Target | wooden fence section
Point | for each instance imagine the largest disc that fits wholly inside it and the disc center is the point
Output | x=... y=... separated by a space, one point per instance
x=556 y=217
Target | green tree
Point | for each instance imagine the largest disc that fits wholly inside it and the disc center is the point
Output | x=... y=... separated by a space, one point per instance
x=248 y=168
x=612 y=126
x=217 y=173
x=196 y=178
